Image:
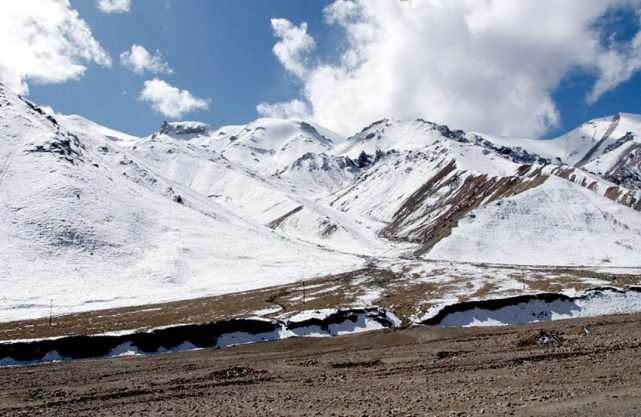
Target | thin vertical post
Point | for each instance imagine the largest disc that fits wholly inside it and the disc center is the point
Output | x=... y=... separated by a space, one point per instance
x=50 y=311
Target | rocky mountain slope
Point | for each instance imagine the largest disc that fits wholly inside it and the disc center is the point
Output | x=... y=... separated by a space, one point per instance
x=94 y=218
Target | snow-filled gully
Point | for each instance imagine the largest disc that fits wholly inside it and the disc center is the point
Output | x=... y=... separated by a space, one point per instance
x=323 y=323
x=538 y=307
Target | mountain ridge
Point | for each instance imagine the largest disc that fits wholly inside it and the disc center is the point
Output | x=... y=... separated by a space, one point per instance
x=192 y=210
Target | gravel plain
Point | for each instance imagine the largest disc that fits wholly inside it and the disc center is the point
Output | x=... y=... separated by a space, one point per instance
x=553 y=368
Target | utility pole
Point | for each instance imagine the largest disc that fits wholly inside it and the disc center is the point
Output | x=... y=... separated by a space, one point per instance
x=303 y=292
x=50 y=312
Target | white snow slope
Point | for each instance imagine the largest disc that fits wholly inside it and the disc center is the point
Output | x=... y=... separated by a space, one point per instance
x=556 y=223
x=85 y=223
x=92 y=218
x=575 y=145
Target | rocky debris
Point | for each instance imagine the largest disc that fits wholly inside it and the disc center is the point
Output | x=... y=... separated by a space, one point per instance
x=233 y=372
x=328 y=227
x=515 y=154
x=176 y=198
x=375 y=124
x=68 y=146
x=443 y=354
x=357 y=364
x=629 y=136
x=322 y=162
x=275 y=223
x=38 y=110
x=445 y=131
x=363 y=160
x=546 y=338
x=627 y=170
x=312 y=130
x=181 y=129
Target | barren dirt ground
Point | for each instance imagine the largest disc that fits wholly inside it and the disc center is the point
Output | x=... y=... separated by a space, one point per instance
x=414 y=371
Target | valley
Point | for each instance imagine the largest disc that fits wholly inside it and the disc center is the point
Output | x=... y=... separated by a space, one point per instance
x=197 y=223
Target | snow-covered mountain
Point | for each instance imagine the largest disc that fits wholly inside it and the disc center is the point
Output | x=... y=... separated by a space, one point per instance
x=426 y=178
x=85 y=221
x=96 y=218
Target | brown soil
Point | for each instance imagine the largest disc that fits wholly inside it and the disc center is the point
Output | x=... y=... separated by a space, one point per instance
x=333 y=291
x=415 y=371
x=404 y=293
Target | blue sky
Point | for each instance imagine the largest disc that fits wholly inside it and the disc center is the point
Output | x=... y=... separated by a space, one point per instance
x=221 y=50
x=341 y=63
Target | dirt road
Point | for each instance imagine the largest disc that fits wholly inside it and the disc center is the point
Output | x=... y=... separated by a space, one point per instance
x=415 y=371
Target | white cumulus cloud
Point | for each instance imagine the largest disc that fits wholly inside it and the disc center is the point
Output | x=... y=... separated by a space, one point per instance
x=617 y=64
x=170 y=101
x=488 y=66
x=114 y=6
x=139 y=60
x=294 y=43
x=294 y=109
x=44 y=41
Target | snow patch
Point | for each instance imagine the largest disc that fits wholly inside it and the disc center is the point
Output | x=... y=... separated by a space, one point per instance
x=543 y=307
